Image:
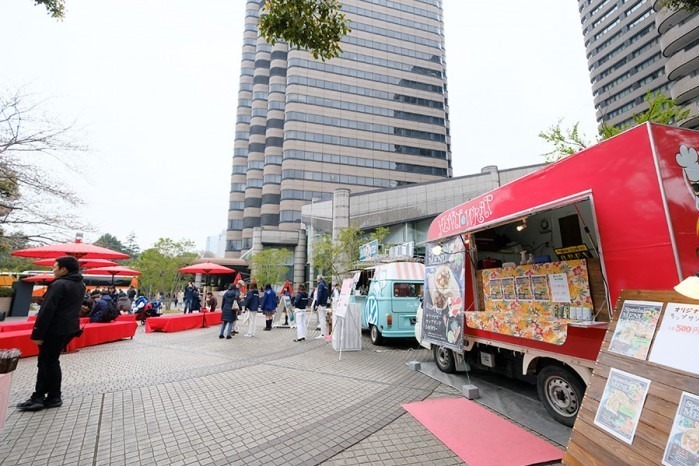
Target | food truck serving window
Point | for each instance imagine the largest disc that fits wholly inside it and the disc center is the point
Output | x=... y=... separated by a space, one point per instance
x=407 y=290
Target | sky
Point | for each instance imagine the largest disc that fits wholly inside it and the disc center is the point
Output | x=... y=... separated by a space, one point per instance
x=151 y=87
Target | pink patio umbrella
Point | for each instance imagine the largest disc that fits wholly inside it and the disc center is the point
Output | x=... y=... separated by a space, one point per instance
x=77 y=249
x=84 y=263
x=113 y=271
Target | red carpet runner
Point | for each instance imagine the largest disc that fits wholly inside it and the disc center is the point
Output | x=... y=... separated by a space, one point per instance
x=479 y=437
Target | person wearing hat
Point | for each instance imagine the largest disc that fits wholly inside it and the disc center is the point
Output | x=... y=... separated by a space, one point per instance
x=57 y=322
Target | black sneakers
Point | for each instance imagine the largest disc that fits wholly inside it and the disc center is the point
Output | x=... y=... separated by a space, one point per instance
x=300 y=339
x=53 y=402
x=32 y=404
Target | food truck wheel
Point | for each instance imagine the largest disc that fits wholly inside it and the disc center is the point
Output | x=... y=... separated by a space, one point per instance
x=375 y=335
x=561 y=391
x=444 y=359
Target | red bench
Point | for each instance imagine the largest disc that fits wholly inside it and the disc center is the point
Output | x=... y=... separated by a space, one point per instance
x=13 y=326
x=175 y=322
x=212 y=318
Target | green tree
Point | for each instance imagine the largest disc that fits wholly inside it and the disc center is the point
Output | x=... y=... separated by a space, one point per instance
x=159 y=266
x=131 y=245
x=338 y=258
x=314 y=25
x=661 y=109
x=325 y=255
x=691 y=5
x=111 y=242
x=269 y=266
x=55 y=8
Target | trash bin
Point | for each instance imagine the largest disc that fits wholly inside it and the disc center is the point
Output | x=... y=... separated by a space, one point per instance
x=8 y=363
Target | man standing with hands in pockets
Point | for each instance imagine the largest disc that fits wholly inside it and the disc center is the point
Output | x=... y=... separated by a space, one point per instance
x=56 y=324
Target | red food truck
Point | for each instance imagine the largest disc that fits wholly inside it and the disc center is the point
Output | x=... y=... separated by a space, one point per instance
x=522 y=280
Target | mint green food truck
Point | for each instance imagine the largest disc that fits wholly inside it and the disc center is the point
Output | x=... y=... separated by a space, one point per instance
x=389 y=296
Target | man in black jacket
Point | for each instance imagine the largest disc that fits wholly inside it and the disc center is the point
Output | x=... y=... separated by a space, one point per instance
x=56 y=324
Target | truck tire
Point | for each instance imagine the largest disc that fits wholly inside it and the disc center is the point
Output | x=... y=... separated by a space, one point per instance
x=375 y=335
x=561 y=391
x=444 y=358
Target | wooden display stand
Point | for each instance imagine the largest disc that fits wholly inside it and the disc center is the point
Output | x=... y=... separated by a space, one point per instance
x=591 y=445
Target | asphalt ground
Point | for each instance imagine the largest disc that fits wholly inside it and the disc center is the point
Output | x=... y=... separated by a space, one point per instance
x=190 y=398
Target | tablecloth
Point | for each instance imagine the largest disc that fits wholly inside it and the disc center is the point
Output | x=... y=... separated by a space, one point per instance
x=13 y=326
x=174 y=322
x=212 y=318
x=21 y=340
x=98 y=333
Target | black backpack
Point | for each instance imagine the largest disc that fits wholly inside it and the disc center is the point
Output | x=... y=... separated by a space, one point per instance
x=112 y=311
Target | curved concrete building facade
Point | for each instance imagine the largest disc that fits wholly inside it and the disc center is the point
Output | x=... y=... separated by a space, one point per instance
x=376 y=117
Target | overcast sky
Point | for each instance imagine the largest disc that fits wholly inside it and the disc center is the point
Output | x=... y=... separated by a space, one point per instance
x=153 y=85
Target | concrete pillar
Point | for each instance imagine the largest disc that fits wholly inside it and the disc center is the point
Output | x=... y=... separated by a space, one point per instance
x=300 y=258
x=256 y=246
x=341 y=216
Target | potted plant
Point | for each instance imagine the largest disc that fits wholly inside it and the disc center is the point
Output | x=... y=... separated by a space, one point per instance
x=6 y=293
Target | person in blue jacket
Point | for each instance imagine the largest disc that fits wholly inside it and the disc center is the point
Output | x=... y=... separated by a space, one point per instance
x=229 y=315
x=252 y=304
x=269 y=305
x=322 y=296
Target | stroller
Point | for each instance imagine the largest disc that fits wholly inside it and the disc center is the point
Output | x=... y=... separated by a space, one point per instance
x=145 y=309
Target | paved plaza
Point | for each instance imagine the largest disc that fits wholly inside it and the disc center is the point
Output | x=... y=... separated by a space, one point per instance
x=192 y=398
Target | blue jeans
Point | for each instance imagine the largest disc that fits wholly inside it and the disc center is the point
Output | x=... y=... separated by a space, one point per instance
x=223 y=328
x=187 y=305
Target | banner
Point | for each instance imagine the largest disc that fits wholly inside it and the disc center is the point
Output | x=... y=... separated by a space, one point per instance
x=443 y=309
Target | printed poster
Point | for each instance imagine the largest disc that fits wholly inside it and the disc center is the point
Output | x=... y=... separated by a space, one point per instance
x=559 y=288
x=495 y=285
x=635 y=328
x=343 y=300
x=683 y=444
x=508 y=289
x=443 y=309
x=621 y=404
x=678 y=331
x=524 y=288
x=540 y=288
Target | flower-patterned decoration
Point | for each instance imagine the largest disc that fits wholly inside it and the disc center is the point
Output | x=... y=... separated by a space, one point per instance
x=536 y=318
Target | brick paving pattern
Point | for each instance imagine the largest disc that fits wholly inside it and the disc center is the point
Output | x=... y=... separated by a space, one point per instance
x=192 y=398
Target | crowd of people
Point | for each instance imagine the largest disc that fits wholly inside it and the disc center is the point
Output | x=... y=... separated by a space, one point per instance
x=237 y=299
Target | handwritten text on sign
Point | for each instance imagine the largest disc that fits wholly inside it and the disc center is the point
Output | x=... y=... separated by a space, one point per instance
x=678 y=331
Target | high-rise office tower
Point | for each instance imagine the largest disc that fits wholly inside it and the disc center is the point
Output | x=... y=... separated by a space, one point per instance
x=375 y=117
x=632 y=49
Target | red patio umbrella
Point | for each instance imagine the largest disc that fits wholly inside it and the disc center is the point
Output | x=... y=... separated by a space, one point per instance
x=77 y=249
x=84 y=263
x=113 y=271
x=40 y=278
x=207 y=268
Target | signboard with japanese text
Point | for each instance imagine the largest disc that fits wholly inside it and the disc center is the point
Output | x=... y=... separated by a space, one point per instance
x=621 y=404
x=683 y=444
x=573 y=252
x=635 y=328
x=369 y=250
x=341 y=309
x=443 y=310
x=678 y=331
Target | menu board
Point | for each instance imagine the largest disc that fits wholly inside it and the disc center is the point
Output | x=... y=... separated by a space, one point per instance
x=635 y=328
x=443 y=313
x=508 y=289
x=678 y=331
x=559 y=288
x=540 y=288
x=683 y=444
x=524 y=288
x=621 y=404
x=496 y=288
